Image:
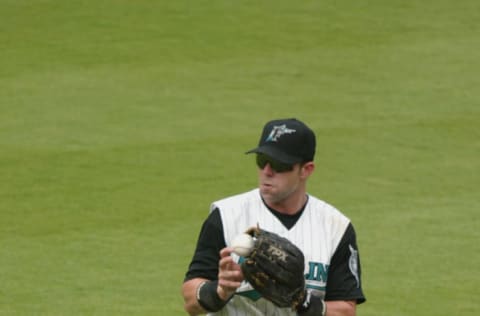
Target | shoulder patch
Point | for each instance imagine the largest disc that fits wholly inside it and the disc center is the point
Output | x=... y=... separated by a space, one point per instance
x=353 y=264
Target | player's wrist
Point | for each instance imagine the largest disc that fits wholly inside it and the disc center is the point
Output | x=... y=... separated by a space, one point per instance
x=223 y=294
x=312 y=305
x=208 y=297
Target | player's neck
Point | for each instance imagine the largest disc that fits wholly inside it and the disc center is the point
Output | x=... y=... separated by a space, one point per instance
x=289 y=206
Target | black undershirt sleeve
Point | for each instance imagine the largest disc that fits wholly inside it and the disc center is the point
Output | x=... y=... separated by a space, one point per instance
x=204 y=263
x=344 y=273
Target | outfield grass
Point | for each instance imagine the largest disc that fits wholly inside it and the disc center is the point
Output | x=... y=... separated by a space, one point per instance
x=120 y=121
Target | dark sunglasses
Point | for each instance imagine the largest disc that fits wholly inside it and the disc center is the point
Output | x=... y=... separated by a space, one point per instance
x=276 y=166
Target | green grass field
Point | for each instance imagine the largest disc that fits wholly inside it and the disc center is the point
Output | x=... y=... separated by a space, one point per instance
x=120 y=121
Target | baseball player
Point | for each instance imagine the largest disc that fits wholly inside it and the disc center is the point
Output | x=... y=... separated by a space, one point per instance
x=215 y=283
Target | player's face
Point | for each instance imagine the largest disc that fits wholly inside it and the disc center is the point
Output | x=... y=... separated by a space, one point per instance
x=278 y=183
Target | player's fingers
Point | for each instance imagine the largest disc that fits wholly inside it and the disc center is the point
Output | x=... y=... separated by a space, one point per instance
x=231 y=279
x=228 y=269
x=228 y=284
x=226 y=262
x=225 y=252
x=231 y=272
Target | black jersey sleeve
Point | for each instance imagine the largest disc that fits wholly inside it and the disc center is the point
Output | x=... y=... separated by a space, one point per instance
x=204 y=263
x=344 y=274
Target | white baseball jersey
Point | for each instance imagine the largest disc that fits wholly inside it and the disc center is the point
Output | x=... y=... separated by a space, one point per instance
x=317 y=233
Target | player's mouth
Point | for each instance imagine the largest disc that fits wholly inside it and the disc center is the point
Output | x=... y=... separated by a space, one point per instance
x=266 y=185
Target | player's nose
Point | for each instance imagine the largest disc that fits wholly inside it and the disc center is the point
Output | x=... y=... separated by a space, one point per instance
x=267 y=169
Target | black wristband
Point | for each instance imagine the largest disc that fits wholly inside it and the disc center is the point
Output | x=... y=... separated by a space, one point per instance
x=208 y=298
x=312 y=306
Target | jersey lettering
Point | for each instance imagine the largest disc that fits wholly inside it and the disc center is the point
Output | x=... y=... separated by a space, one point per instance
x=317 y=271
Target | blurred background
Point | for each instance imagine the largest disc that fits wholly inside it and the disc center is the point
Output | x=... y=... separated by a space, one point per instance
x=121 y=121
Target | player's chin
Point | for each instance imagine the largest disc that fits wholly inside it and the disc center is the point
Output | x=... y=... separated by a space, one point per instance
x=269 y=196
x=266 y=193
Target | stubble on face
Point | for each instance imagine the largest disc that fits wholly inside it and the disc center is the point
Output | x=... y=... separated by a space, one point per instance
x=277 y=187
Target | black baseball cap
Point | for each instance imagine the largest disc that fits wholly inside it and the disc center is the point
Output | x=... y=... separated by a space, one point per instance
x=287 y=140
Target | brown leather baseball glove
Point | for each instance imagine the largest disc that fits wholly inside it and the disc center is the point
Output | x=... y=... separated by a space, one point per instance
x=275 y=268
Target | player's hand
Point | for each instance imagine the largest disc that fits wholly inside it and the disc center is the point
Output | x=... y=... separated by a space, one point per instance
x=230 y=275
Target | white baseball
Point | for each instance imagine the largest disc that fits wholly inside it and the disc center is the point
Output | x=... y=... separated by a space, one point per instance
x=242 y=244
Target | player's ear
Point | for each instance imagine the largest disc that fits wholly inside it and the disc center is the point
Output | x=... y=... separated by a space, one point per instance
x=307 y=169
